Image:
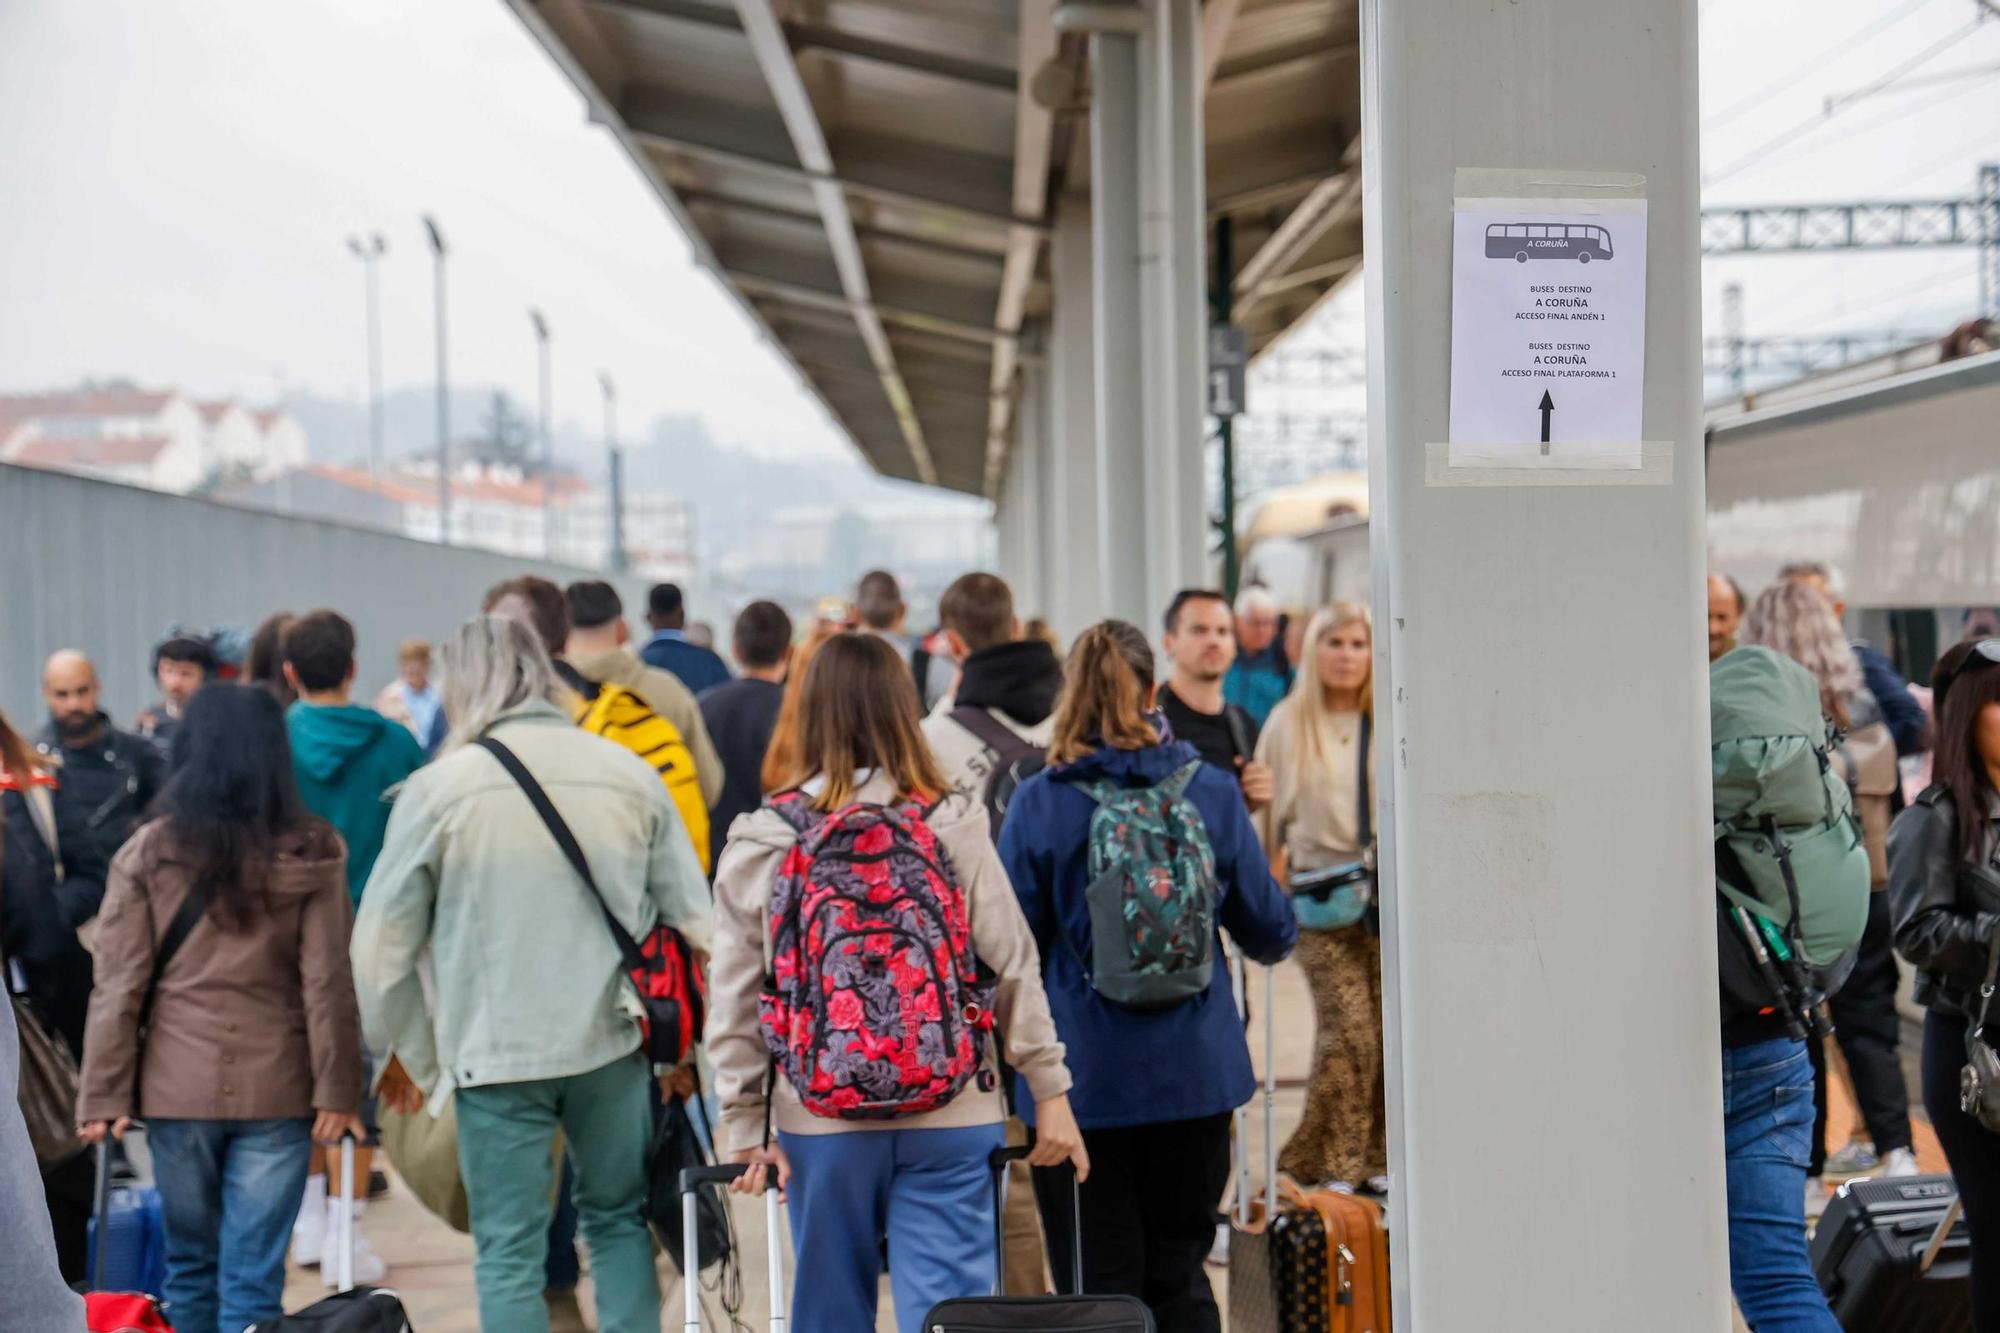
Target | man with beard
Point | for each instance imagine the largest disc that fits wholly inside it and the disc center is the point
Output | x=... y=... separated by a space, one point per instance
x=105 y=777
x=1201 y=643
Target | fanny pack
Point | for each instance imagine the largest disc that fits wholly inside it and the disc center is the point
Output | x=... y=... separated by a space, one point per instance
x=1337 y=896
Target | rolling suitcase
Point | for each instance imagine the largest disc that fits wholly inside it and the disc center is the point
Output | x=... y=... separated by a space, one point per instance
x=1304 y=1261
x=351 y=1309
x=1893 y=1256
x=691 y=1181
x=127 y=1235
x=1048 y=1314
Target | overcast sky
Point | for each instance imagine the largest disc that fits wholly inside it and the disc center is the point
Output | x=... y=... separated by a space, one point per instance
x=181 y=177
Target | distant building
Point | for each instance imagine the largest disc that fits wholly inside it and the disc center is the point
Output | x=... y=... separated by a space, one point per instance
x=157 y=438
x=496 y=508
x=805 y=551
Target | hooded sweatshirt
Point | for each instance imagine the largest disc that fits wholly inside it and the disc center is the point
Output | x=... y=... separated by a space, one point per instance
x=1133 y=1066
x=1015 y=682
x=347 y=758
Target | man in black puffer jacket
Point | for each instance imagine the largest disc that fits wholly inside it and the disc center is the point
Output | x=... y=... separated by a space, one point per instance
x=106 y=777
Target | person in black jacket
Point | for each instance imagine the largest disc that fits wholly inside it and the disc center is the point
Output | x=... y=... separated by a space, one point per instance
x=105 y=777
x=1944 y=898
x=46 y=892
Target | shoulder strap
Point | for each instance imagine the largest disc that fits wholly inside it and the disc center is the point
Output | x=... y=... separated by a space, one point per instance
x=1366 y=821
x=991 y=732
x=1238 y=724
x=178 y=930
x=628 y=947
x=1986 y=987
x=1176 y=784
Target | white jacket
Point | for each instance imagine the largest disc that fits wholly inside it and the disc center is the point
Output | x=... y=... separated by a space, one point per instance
x=968 y=761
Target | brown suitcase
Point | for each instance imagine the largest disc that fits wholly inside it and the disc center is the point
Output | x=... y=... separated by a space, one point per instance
x=1357 y=1256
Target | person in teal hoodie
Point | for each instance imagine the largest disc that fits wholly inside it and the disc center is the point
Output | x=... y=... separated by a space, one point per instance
x=349 y=761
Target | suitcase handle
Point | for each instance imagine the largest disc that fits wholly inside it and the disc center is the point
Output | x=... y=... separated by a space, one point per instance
x=1935 y=1245
x=692 y=1178
x=999 y=1159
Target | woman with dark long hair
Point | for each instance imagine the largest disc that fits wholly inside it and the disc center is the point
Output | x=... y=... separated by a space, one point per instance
x=1944 y=897
x=224 y=934
x=884 y=1116
x=1157 y=1074
x=264 y=664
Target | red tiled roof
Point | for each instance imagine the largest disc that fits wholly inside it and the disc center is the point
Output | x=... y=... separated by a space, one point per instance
x=91 y=450
x=86 y=403
x=266 y=417
x=213 y=410
x=406 y=488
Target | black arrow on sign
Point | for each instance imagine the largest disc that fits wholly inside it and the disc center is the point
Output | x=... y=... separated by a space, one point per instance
x=1548 y=406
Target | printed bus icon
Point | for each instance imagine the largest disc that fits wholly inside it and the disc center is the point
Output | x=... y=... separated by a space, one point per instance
x=1522 y=241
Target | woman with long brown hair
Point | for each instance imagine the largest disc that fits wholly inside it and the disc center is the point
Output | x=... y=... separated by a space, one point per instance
x=1130 y=855
x=868 y=959
x=1944 y=897
x=1319 y=746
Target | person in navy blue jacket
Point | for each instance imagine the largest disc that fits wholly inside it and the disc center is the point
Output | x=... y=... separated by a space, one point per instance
x=1153 y=1088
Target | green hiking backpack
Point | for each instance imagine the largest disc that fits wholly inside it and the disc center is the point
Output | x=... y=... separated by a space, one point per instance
x=1788 y=846
x=1152 y=893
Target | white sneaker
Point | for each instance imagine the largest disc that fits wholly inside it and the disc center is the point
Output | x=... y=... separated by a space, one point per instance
x=368 y=1266
x=309 y=1231
x=1218 y=1253
x=1815 y=1198
x=1901 y=1162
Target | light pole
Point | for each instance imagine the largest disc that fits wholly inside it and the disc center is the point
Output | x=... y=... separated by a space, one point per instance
x=617 y=459
x=548 y=450
x=368 y=254
x=443 y=385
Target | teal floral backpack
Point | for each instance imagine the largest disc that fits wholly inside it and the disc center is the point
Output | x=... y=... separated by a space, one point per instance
x=1152 y=893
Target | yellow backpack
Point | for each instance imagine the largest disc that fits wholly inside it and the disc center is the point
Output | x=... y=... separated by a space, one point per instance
x=617 y=714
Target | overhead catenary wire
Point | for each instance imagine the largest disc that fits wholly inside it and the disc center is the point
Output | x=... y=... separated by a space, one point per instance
x=1811 y=66
x=1914 y=108
x=1807 y=127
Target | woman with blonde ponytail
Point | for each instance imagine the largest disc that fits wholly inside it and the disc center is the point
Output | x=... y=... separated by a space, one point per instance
x=1319 y=745
x=1127 y=825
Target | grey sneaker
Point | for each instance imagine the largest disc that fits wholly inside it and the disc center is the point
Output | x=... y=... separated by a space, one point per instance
x=1858 y=1156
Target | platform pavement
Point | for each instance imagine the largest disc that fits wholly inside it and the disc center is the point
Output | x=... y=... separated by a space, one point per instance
x=431 y=1266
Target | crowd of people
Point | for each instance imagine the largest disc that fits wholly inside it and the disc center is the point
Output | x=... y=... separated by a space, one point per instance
x=950 y=892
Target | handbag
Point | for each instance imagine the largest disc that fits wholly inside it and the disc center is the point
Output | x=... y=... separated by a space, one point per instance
x=674 y=1148
x=424 y=1150
x=1338 y=896
x=48 y=1087
x=1979 y=1081
x=671 y=991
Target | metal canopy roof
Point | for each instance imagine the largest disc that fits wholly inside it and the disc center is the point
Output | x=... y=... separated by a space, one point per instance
x=873 y=180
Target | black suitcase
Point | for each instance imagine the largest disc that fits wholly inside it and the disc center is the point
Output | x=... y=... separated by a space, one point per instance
x=1893 y=1256
x=1046 y=1314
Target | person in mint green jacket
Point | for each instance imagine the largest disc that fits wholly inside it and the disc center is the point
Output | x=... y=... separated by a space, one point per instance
x=348 y=761
x=531 y=1024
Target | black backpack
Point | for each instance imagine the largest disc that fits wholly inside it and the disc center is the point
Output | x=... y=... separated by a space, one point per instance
x=363 y=1310
x=1015 y=760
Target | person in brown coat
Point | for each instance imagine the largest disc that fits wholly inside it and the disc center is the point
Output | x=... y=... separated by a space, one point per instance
x=224 y=937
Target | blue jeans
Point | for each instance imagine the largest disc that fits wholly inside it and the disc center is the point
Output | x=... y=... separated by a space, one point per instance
x=1767 y=1116
x=229 y=1190
x=929 y=1191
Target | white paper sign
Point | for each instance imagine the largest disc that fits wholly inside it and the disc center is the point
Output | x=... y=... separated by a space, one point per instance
x=1548 y=322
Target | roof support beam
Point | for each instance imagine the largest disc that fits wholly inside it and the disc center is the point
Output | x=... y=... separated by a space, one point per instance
x=819 y=298
x=1335 y=199
x=664 y=141
x=727 y=203
x=1217 y=16
x=1034 y=129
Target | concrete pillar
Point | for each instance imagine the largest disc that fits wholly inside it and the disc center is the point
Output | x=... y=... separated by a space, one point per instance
x=1173 y=300
x=1023 y=516
x=1078 y=546
x=1549 y=960
x=1123 y=488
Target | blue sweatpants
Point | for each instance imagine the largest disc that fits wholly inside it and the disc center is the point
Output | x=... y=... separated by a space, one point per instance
x=929 y=1191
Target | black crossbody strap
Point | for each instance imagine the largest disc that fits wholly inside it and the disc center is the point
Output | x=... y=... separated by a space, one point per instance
x=628 y=947
x=178 y=930
x=1367 y=821
x=1987 y=986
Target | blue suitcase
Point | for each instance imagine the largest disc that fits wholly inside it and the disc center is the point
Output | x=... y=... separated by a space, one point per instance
x=127 y=1237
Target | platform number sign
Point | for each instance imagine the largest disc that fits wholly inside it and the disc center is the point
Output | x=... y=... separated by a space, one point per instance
x=1228 y=364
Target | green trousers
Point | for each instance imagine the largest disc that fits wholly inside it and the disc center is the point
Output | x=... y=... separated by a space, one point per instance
x=504 y=1131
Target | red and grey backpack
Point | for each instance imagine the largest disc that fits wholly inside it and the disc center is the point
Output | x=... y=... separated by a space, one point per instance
x=875 y=1006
